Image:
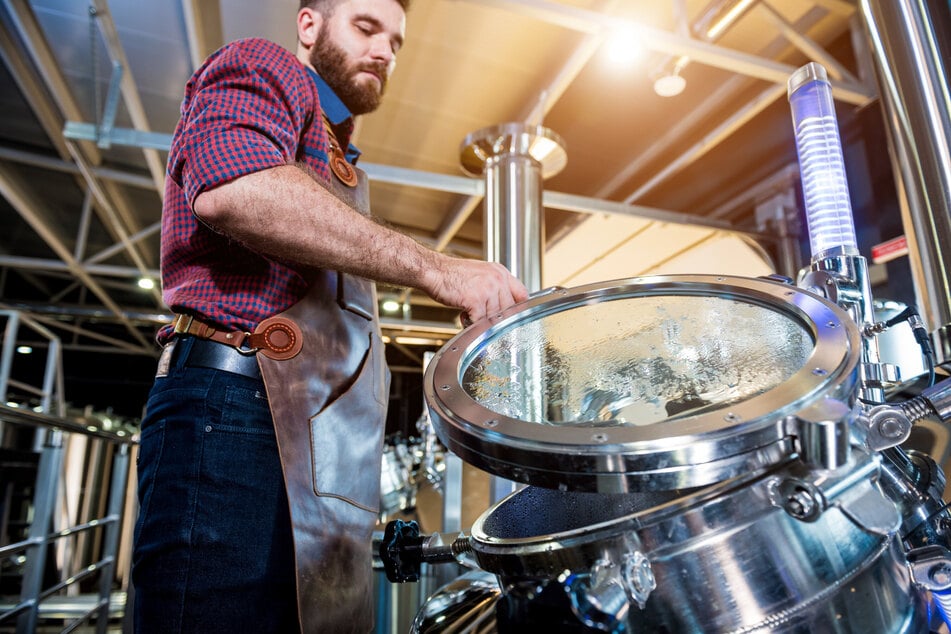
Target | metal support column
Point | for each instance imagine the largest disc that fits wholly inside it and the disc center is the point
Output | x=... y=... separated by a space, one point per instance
x=514 y=158
x=117 y=487
x=910 y=42
x=51 y=461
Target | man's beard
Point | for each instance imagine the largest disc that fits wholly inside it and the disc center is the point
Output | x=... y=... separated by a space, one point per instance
x=331 y=63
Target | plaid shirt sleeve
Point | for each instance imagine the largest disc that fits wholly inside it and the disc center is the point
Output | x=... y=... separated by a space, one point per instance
x=250 y=107
x=243 y=112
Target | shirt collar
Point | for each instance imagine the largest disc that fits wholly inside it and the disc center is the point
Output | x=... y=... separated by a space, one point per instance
x=337 y=113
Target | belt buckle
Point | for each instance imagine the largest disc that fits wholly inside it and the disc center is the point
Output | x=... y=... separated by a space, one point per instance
x=181 y=329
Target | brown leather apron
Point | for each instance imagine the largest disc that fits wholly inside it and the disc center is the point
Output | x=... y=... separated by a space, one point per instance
x=329 y=408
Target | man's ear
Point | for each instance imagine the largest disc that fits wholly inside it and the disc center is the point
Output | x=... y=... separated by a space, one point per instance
x=308 y=26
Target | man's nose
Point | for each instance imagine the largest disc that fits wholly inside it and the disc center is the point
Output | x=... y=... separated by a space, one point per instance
x=381 y=49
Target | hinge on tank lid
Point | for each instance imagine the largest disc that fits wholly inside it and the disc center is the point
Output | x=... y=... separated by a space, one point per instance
x=931 y=567
x=807 y=493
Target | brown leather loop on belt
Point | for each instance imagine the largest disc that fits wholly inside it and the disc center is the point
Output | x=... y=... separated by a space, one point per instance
x=275 y=337
x=280 y=338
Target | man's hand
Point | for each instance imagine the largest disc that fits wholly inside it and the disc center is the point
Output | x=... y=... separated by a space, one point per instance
x=477 y=288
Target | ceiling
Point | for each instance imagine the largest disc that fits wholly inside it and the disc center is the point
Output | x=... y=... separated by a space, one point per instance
x=652 y=184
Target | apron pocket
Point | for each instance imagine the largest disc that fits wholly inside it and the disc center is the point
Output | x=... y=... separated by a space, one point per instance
x=347 y=441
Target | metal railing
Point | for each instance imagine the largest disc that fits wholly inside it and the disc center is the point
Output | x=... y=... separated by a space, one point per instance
x=33 y=552
x=66 y=504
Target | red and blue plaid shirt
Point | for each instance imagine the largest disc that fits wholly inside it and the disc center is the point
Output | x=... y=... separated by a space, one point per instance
x=251 y=106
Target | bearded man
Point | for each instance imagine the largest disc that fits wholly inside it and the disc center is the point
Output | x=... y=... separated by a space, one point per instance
x=260 y=450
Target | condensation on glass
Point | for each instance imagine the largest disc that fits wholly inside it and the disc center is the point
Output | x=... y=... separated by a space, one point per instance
x=635 y=361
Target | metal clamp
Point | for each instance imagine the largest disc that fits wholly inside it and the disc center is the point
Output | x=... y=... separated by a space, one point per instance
x=887 y=426
x=931 y=567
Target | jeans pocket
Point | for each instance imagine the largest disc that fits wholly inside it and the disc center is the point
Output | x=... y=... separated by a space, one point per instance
x=151 y=448
x=246 y=410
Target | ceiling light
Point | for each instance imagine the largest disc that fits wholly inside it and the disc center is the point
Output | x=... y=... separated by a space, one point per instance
x=668 y=81
x=24 y=349
x=391 y=306
x=669 y=85
x=146 y=283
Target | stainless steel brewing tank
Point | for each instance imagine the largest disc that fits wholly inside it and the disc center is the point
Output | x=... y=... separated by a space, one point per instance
x=720 y=559
x=661 y=421
x=653 y=383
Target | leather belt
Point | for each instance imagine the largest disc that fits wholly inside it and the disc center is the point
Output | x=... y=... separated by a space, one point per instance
x=188 y=325
x=276 y=337
x=205 y=353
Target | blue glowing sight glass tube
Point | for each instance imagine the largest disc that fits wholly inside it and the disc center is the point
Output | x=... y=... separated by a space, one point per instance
x=826 y=193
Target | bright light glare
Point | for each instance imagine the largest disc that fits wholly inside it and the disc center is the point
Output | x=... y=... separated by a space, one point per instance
x=391 y=306
x=24 y=349
x=541 y=148
x=623 y=47
x=146 y=283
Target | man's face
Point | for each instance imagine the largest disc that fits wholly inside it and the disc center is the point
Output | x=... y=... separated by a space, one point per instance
x=355 y=51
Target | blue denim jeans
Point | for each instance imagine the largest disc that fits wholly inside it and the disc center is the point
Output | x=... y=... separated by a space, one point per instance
x=213 y=545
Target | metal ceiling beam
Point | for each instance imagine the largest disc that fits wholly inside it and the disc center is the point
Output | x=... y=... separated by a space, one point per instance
x=587 y=21
x=710 y=140
x=59 y=165
x=25 y=205
x=42 y=264
x=843 y=7
x=106 y=206
x=32 y=92
x=203 y=26
x=130 y=92
x=570 y=202
x=811 y=49
x=712 y=104
x=25 y=25
x=29 y=31
x=533 y=114
x=115 y=249
x=89 y=334
x=455 y=220
x=782 y=180
x=476 y=188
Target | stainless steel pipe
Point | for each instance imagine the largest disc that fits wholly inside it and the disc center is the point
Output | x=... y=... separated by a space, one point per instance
x=910 y=41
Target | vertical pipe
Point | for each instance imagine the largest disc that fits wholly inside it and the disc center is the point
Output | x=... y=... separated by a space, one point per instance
x=120 y=469
x=514 y=159
x=513 y=218
x=44 y=499
x=9 y=347
x=6 y=356
x=910 y=42
x=53 y=356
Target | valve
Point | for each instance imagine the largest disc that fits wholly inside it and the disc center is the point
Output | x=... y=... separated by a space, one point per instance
x=403 y=550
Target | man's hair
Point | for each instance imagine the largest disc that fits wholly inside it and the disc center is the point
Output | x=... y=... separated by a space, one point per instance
x=326 y=7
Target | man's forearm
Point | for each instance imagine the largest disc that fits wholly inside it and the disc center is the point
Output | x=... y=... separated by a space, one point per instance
x=283 y=213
